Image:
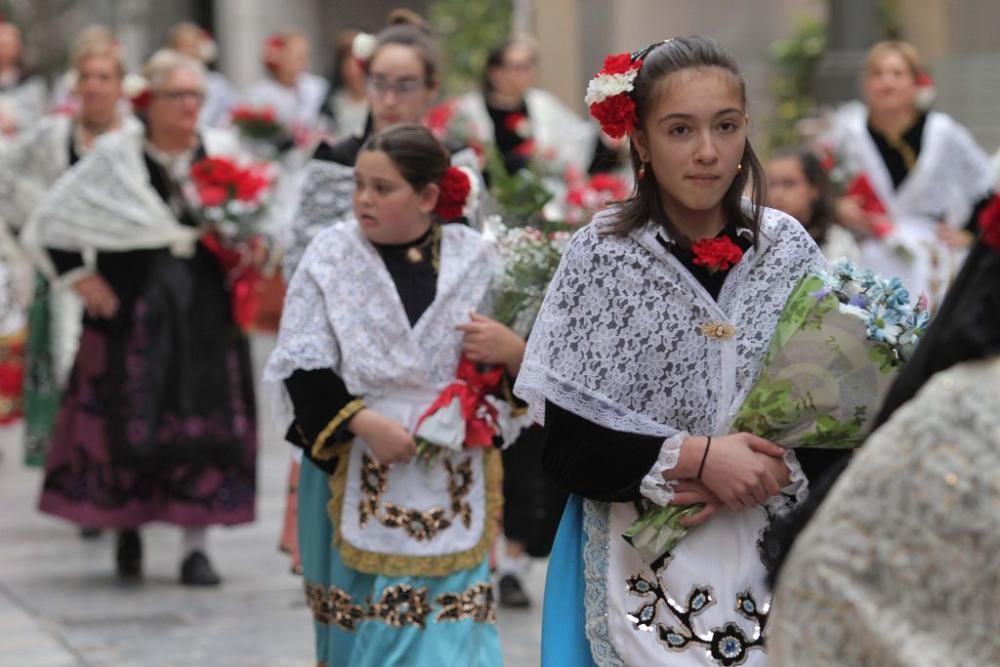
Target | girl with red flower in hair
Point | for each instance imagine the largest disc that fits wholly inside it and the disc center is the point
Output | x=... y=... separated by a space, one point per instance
x=395 y=549
x=653 y=330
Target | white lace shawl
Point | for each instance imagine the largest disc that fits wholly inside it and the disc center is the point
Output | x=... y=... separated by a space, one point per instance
x=106 y=203
x=294 y=107
x=33 y=163
x=25 y=102
x=342 y=311
x=619 y=337
x=555 y=127
x=952 y=172
x=899 y=565
x=325 y=197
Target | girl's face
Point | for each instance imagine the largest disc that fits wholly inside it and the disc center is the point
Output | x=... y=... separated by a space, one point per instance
x=387 y=207
x=99 y=85
x=397 y=86
x=693 y=139
x=890 y=85
x=515 y=75
x=789 y=190
x=294 y=60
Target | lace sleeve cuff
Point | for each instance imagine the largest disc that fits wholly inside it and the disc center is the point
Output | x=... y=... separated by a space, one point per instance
x=653 y=486
x=795 y=492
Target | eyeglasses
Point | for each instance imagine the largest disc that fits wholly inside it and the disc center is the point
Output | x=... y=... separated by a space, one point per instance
x=182 y=95
x=379 y=86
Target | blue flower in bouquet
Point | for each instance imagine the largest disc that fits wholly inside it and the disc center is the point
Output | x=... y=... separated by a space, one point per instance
x=885 y=325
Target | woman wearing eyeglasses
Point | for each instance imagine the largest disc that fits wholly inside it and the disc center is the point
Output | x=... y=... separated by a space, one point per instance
x=158 y=420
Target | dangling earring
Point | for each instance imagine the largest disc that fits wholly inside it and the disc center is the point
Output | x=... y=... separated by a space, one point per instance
x=642 y=170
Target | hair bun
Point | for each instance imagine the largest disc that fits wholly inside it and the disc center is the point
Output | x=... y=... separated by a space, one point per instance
x=408 y=17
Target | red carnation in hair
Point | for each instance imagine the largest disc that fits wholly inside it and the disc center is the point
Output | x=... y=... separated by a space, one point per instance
x=989 y=223
x=620 y=63
x=616 y=115
x=455 y=189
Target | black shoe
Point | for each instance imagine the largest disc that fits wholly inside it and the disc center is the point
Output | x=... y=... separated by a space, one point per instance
x=89 y=533
x=196 y=570
x=512 y=595
x=129 y=555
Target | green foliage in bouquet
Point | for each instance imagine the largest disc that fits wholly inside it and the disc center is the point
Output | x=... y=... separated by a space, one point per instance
x=520 y=195
x=468 y=30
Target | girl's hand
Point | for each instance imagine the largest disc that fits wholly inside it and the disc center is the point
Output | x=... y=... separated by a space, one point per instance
x=387 y=438
x=489 y=342
x=850 y=215
x=733 y=468
x=952 y=237
x=693 y=492
x=98 y=298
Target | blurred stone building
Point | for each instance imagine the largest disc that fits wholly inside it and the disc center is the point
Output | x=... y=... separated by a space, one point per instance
x=957 y=37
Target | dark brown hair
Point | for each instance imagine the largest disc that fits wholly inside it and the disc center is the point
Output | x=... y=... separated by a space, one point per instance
x=495 y=58
x=419 y=157
x=821 y=210
x=661 y=61
x=406 y=28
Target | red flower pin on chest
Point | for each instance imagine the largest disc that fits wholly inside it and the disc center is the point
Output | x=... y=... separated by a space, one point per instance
x=718 y=254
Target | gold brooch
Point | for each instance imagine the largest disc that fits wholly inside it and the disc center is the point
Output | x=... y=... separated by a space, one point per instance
x=414 y=255
x=718 y=330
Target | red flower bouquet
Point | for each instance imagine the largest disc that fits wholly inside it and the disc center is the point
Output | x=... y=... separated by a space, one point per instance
x=861 y=190
x=231 y=198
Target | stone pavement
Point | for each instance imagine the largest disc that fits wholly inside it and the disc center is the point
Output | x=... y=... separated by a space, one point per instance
x=61 y=606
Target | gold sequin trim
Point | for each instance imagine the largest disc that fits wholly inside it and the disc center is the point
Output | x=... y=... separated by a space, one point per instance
x=401 y=605
x=319 y=450
x=333 y=606
x=421 y=526
x=718 y=330
x=400 y=565
x=476 y=604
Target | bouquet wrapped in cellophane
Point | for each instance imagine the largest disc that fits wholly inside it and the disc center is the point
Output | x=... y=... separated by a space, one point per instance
x=838 y=345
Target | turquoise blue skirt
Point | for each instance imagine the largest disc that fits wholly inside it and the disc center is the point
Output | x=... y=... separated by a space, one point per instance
x=564 y=638
x=370 y=620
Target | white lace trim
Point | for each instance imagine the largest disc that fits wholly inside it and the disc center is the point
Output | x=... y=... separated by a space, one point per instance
x=653 y=485
x=793 y=493
x=595 y=569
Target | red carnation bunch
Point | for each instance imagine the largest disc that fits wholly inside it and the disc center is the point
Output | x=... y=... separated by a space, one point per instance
x=989 y=224
x=718 y=254
x=608 y=95
x=457 y=194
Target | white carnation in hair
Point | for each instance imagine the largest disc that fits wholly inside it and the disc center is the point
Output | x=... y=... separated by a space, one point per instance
x=472 y=199
x=363 y=46
x=208 y=50
x=134 y=85
x=603 y=86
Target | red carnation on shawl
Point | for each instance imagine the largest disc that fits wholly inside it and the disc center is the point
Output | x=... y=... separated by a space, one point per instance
x=716 y=254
